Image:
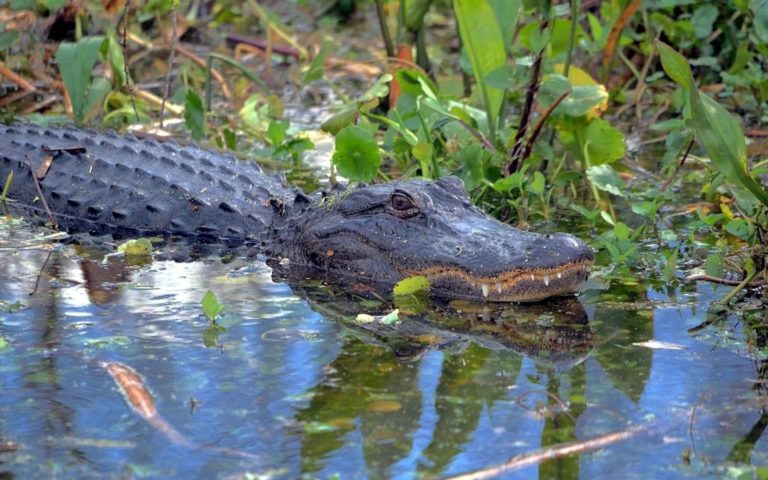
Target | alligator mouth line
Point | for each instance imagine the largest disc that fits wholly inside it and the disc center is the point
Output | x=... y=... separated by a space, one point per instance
x=520 y=285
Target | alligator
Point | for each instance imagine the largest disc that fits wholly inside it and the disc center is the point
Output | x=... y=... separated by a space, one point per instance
x=106 y=184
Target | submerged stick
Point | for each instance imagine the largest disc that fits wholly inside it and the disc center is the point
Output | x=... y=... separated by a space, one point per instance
x=557 y=451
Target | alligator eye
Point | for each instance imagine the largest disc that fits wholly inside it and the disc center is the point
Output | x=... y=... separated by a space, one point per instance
x=401 y=203
x=402 y=206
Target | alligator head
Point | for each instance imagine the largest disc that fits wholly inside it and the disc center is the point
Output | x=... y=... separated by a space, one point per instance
x=385 y=233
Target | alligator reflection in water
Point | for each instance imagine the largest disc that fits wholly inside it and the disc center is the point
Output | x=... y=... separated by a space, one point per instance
x=556 y=332
x=373 y=393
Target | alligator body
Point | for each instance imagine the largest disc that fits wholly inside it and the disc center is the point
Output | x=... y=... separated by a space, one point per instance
x=105 y=184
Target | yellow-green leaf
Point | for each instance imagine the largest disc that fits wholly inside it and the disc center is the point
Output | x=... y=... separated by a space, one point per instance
x=140 y=247
x=411 y=285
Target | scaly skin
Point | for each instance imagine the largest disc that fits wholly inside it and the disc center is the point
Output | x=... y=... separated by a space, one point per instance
x=377 y=235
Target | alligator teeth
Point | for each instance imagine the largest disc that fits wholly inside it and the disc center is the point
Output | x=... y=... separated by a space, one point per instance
x=498 y=287
x=546 y=280
x=486 y=289
x=559 y=274
x=533 y=277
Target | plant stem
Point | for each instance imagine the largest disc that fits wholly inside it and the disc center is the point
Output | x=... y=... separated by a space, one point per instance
x=385 y=35
x=575 y=7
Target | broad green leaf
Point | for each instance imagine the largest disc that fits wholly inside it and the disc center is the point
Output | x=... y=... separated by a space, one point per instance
x=621 y=231
x=703 y=19
x=603 y=143
x=8 y=38
x=714 y=265
x=76 y=62
x=675 y=65
x=414 y=13
x=484 y=45
x=422 y=151
x=194 y=115
x=605 y=178
x=583 y=101
x=316 y=68
x=509 y=183
x=211 y=306
x=646 y=208
x=112 y=51
x=357 y=154
x=276 y=131
x=760 y=11
x=411 y=285
x=670 y=267
x=583 y=86
x=378 y=90
x=98 y=90
x=537 y=185
x=739 y=228
x=502 y=77
x=721 y=135
x=506 y=13
x=344 y=118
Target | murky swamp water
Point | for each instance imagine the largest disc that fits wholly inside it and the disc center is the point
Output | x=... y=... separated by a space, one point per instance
x=285 y=391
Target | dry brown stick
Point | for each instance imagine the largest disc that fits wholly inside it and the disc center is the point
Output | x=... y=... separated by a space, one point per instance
x=200 y=62
x=22 y=82
x=513 y=160
x=549 y=453
x=167 y=87
x=41 y=104
x=155 y=100
x=42 y=197
x=540 y=124
x=124 y=45
x=14 y=97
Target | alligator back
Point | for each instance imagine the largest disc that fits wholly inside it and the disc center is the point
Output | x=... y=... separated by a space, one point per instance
x=119 y=185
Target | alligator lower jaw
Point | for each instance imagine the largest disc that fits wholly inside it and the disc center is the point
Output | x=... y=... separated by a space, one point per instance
x=521 y=285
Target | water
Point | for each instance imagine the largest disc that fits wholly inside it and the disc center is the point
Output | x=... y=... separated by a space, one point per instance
x=286 y=391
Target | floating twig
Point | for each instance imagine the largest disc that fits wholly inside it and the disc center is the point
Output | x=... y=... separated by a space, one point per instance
x=703 y=277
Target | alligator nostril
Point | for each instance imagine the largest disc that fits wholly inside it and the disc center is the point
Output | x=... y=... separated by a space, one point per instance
x=458 y=250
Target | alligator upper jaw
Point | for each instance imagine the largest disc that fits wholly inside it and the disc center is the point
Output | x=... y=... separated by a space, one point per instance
x=518 y=285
